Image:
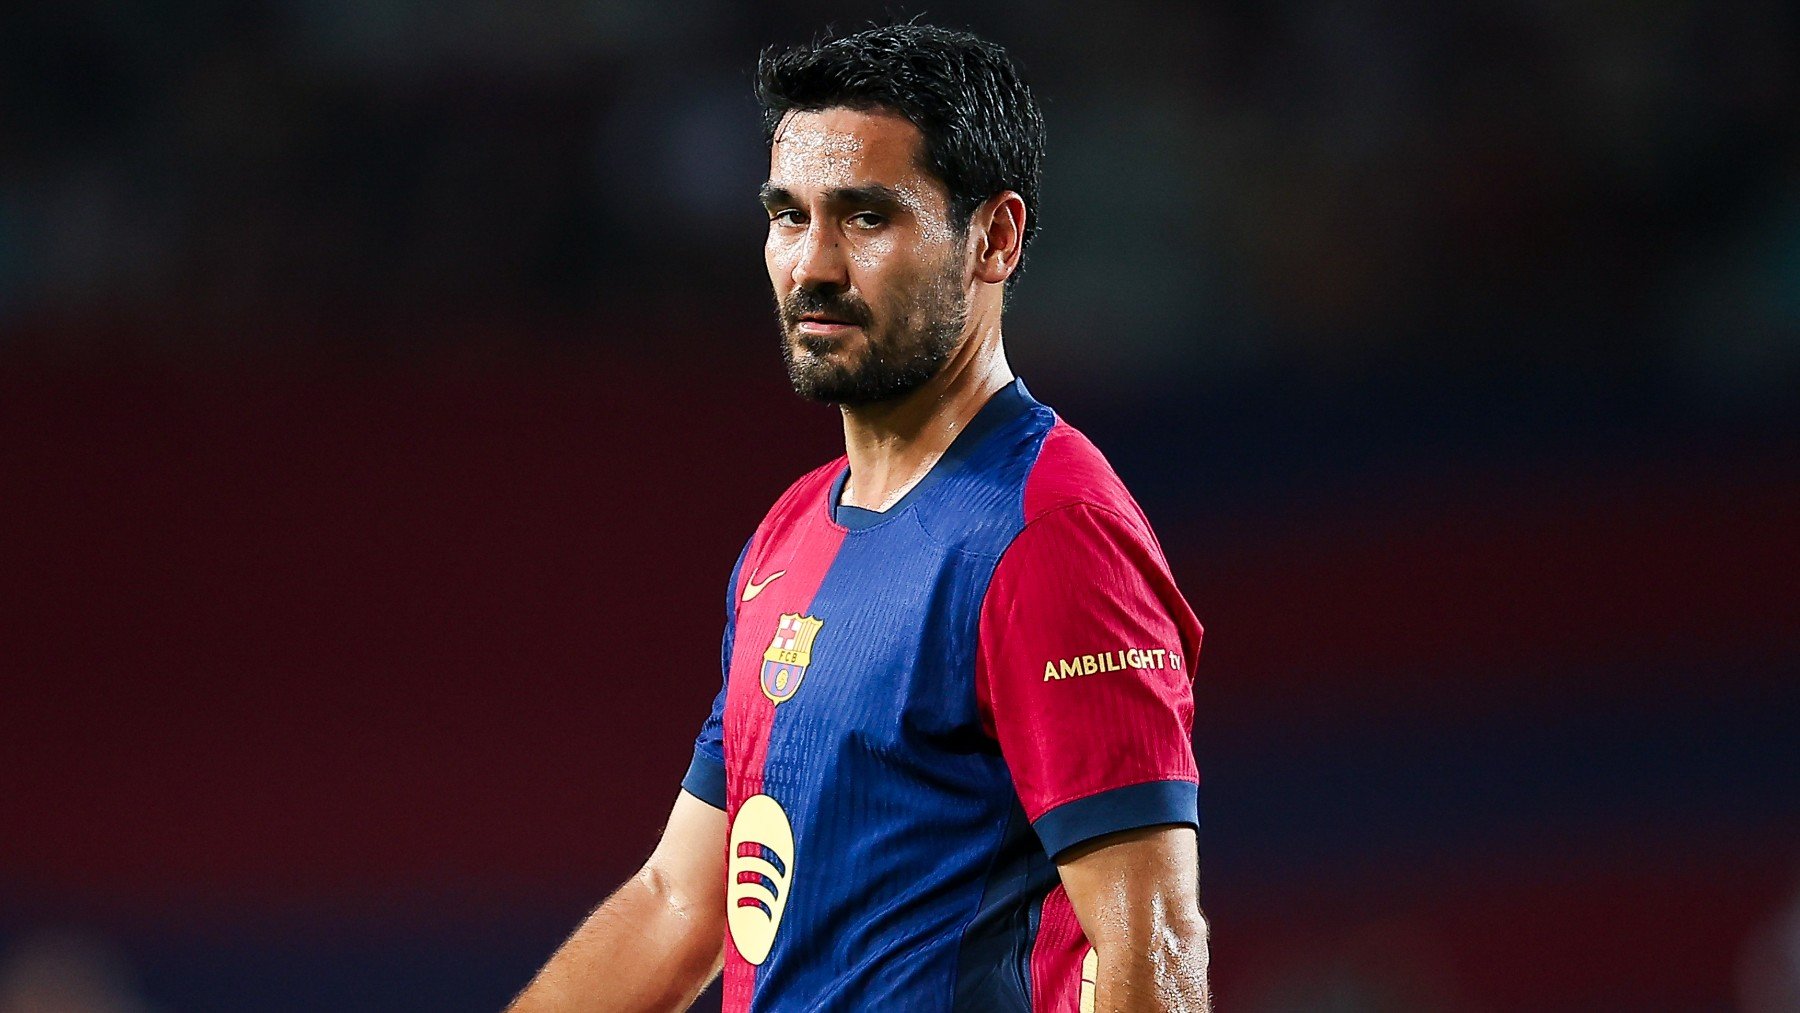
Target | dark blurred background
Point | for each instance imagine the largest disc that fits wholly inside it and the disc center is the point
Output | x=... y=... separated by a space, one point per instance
x=385 y=389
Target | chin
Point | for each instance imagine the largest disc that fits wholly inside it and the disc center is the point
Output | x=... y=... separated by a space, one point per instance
x=822 y=346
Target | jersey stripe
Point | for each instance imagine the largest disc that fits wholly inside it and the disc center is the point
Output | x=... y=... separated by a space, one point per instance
x=802 y=565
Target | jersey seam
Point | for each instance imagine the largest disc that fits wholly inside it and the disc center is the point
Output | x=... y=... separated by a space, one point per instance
x=1071 y=505
x=1142 y=522
x=962 y=936
x=793 y=491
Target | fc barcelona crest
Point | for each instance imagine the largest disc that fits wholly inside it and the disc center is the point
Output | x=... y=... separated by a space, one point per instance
x=784 y=663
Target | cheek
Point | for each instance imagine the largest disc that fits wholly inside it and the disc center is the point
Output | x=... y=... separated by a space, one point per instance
x=897 y=277
x=778 y=257
x=872 y=253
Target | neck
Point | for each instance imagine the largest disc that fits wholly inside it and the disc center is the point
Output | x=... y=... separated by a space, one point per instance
x=893 y=445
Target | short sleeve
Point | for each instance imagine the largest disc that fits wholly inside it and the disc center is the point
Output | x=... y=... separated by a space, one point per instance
x=705 y=777
x=1085 y=677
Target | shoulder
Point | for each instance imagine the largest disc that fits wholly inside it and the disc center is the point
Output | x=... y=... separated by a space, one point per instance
x=804 y=494
x=809 y=485
x=1086 y=556
x=1070 y=472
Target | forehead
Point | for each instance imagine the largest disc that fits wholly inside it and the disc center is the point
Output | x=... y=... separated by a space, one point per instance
x=840 y=147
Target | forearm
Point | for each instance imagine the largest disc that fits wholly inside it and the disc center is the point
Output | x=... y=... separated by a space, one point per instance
x=643 y=949
x=1158 y=964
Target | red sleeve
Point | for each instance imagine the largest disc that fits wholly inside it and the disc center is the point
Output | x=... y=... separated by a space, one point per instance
x=1085 y=676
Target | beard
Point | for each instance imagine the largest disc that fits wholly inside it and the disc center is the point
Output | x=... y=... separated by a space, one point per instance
x=896 y=358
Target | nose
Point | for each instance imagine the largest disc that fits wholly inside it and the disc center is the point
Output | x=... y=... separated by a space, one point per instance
x=821 y=262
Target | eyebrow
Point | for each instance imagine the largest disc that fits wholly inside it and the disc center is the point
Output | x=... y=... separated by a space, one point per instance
x=873 y=195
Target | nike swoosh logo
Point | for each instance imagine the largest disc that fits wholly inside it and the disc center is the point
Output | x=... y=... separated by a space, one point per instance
x=752 y=588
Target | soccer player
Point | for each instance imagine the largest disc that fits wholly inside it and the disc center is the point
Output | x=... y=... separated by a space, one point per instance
x=951 y=766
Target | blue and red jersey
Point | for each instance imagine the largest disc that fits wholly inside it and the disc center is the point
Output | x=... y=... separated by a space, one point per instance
x=924 y=706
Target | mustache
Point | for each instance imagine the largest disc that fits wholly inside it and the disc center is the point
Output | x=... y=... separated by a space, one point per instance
x=835 y=303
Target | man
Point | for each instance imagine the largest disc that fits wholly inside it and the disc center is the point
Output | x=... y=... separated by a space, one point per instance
x=950 y=768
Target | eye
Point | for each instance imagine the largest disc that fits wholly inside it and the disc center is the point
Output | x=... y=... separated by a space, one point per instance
x=787 y=216
x=866 y=219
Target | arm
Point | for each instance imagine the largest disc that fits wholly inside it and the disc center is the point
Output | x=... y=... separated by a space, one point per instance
x=1136 y=894
x=658 y=940
x=1087 y=653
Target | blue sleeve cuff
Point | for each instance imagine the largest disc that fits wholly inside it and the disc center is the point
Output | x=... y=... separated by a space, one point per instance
x=1127 y=808
x=705 y=780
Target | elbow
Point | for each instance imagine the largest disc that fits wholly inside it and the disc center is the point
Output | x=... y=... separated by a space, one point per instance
x=1162 y=964
x=1179 y=948
x=665 y=892
x=690 y=924
x=686 y=908
x=1172 y=926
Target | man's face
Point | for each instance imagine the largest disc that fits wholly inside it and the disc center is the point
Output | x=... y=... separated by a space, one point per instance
x=869 y=274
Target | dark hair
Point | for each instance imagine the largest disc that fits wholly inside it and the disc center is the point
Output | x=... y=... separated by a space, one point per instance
x=984 y=132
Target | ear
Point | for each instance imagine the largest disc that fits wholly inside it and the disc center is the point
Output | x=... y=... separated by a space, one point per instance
x=997 y=232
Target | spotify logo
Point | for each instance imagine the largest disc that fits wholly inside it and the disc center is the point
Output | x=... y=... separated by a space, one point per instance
x=760 y=874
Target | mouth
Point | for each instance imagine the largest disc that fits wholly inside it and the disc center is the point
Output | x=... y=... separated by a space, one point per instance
x=823 y=326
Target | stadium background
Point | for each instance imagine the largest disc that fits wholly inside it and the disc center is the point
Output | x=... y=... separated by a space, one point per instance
x=386 y=388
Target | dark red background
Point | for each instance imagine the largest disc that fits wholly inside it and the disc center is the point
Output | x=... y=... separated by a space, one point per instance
x=385 y=389
x=314 y=665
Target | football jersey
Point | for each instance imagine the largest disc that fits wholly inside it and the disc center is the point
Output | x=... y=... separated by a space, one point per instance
x=924 y=706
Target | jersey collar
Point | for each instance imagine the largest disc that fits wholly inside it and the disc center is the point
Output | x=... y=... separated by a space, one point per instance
x=1006 y=404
